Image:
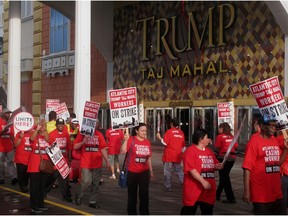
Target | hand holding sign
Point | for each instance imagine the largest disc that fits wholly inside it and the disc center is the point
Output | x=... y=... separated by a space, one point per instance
x=234 y=140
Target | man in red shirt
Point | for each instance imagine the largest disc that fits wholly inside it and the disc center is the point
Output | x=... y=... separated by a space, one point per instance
x=6 y=147
x=92 y=150
x=261 y=165
x=114 y=140
x=174 y=142
x=62 y=138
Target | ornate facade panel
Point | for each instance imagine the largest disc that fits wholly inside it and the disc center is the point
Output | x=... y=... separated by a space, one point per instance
x=241 y=44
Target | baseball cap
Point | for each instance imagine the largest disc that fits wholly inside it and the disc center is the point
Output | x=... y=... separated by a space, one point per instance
x=266 y=119
x=6 y=110
x=60 y=121
x=74 y=121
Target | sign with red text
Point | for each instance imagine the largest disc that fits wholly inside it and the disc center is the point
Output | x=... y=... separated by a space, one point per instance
x=62 y=111
x=23 y=121
x=226 y=113
x=123 y=108
x=51 y=104
x=270 y=100
x=59 y=161
x=90 y=116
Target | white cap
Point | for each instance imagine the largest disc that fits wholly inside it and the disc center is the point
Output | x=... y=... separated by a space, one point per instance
x=74 y=121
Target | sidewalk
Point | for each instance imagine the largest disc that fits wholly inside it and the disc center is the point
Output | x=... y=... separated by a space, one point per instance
x=113 y=199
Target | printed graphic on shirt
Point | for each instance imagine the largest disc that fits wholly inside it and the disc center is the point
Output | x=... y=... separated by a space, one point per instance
x=208 y=166
x=142 y=153
x=42 y=144
x=27 y=144
x=92 y=144
x=272 y=157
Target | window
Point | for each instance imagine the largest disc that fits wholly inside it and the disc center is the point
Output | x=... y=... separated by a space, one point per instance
x=26 y=9
x=58 y=32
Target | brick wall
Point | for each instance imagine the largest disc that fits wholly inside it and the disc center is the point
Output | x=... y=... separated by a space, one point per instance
x=63 y=87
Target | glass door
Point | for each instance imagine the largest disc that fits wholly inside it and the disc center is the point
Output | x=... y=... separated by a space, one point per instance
x=150 y=121
x=183 y=115
x=205 y=117
x=243 y=115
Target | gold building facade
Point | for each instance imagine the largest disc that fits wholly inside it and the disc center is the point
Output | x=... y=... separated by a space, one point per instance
x=183 y=56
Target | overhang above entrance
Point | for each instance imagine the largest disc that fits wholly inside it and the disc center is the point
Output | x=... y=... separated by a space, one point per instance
x=101 y=23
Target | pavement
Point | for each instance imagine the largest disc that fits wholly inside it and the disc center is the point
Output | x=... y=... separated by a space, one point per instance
x=113 y=199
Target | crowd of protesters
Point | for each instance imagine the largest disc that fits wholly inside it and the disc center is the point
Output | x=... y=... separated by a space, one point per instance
x=265 y=161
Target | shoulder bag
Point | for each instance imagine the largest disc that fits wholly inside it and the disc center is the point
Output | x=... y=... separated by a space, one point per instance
x=46 y=166
x=122 y=181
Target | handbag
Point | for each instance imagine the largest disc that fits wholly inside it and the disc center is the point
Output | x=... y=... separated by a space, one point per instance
x=46 y=165
x=122 y=181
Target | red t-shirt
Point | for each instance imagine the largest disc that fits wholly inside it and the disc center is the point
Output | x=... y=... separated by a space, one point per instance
x=63 y=141
x=114 y=138
x=280 y=140
x=6 y=144
x=138 y=155
x=254 y=134
x=91 y=156
x=24 y=149
x=262 y=159
x=175 y=140
x=222 y=142
x=204 y=162
x=34 y=162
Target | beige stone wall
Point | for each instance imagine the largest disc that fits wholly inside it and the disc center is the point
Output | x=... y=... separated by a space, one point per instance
x=37 y=54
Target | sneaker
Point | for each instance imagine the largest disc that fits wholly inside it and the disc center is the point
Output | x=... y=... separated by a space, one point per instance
x=14 y=181
x=168 y=189
x=101 y=182
x=77 y=200
x=112 y=177
x=94 y=205
x=24 y=189
x=43 y=208
x=118 y=170
x=36 y=211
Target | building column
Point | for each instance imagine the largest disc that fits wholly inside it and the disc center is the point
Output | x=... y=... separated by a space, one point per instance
x=14 y=56
x=82 y=72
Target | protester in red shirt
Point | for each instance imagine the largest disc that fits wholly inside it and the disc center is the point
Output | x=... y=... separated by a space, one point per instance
x=174 y=142
x=139 y=169
x=283 y=168
x=22 y=155
x=261 y=165
x=40 y=141
x=6 y=147
x=200 y=163
x=222 y=143
x=92 y=150
x=62 y=138
x=114 y=140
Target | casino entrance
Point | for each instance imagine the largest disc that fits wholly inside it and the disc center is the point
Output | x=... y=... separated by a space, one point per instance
x=190 y=119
